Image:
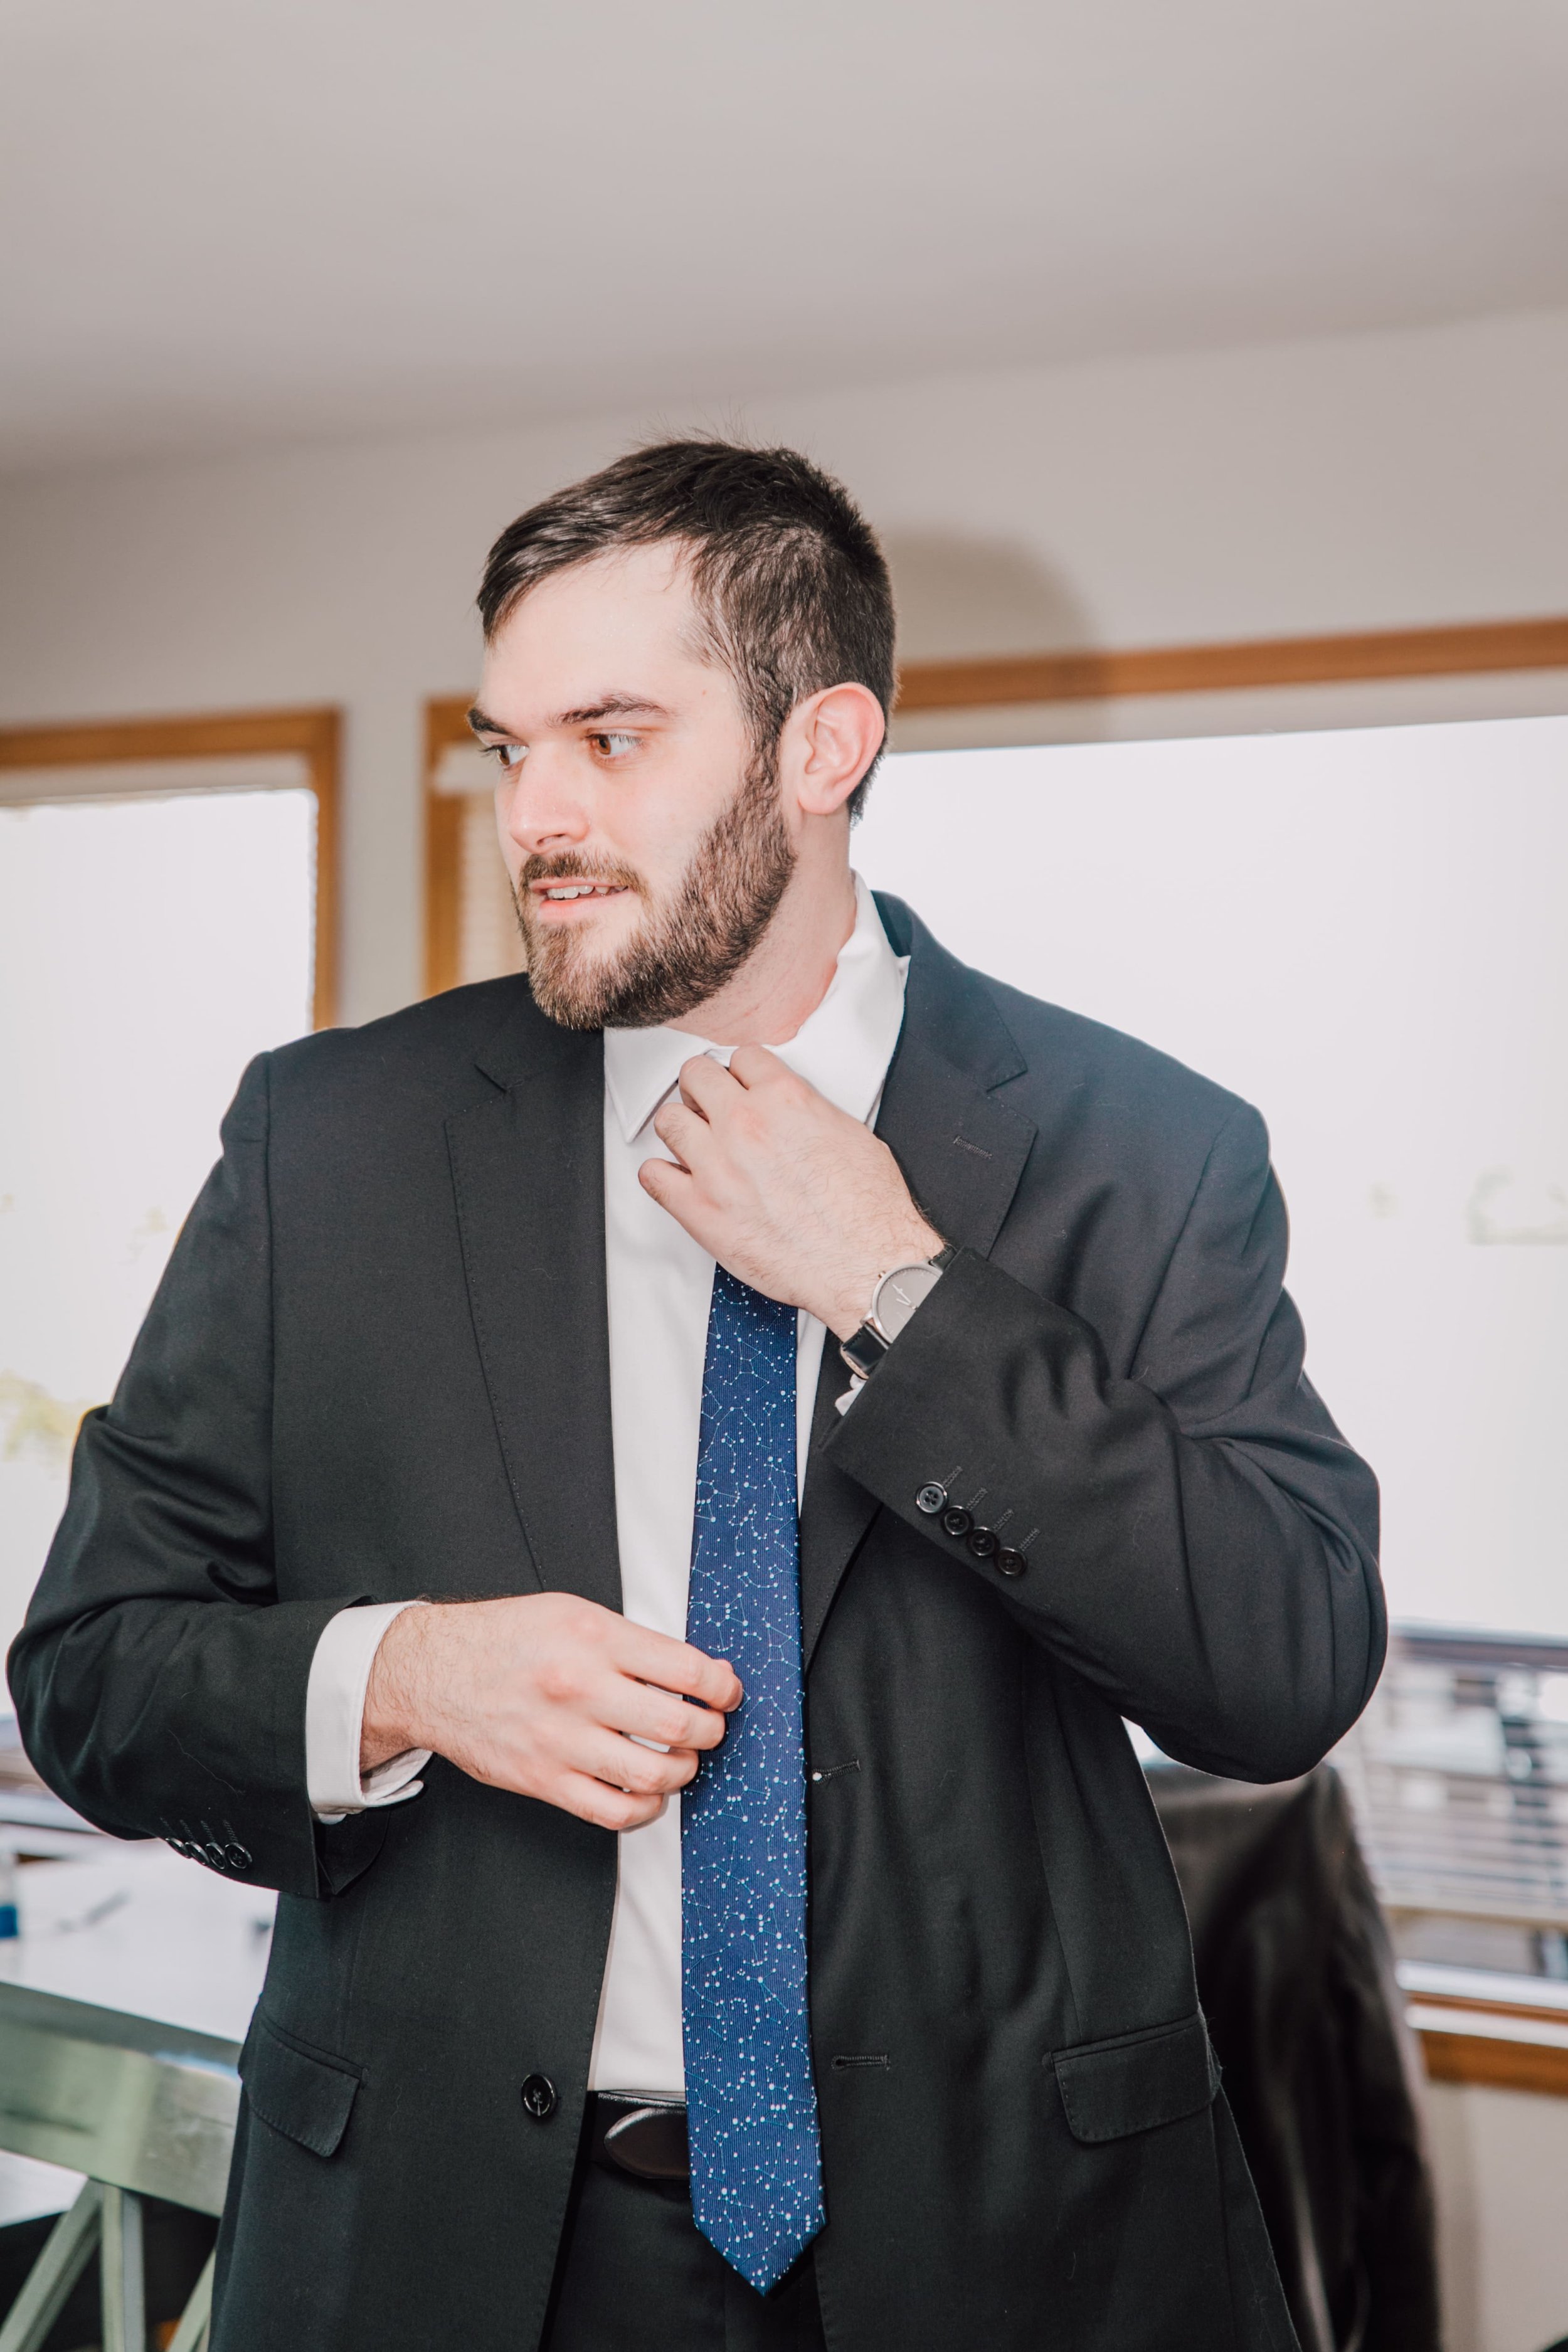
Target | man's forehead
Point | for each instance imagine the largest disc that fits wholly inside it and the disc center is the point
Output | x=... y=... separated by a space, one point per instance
x=619 y=631
x=631 y=590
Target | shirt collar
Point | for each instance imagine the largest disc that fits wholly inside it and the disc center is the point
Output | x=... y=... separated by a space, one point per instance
x=842 y=1049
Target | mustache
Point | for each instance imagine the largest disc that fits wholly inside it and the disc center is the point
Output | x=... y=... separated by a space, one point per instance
x=562 y=868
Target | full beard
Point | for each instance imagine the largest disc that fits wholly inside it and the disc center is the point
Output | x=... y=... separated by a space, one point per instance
x=684 y=951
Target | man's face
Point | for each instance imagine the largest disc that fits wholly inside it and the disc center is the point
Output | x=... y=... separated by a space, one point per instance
x=645 y=839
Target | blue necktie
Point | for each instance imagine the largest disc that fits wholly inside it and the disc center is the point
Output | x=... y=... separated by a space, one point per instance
x=756 y=2170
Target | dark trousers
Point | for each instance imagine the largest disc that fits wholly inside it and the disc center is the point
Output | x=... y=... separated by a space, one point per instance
x=636 y=2275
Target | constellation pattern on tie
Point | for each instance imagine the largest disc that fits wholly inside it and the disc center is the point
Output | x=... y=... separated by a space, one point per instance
x=756 y=2174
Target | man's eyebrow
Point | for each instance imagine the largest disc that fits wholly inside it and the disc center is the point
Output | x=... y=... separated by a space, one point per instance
x=610 y=705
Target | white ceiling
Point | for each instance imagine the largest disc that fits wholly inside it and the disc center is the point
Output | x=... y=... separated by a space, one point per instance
x=237 y=220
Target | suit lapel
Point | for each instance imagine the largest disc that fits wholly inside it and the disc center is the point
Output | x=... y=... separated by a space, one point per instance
x=528 y=1175
x=528 y=1172
x=963 y=1154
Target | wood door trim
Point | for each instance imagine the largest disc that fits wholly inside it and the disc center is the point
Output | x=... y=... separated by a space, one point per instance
x=314 y=734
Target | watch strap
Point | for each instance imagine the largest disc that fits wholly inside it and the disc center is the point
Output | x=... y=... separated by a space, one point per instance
x=864 y=1349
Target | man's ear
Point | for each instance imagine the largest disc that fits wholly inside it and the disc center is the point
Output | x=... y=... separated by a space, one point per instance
x=829 y=741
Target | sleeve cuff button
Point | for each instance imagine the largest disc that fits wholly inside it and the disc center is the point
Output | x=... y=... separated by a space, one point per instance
x=1011 y=1562
x=956 y=1521
x=931 y=1499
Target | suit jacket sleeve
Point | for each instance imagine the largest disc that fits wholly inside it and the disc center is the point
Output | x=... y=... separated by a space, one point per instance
x=1204 y=1544
x=159 y=1681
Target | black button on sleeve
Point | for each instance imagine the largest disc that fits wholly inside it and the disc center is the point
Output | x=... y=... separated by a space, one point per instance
x=956 y=1521
x=238 y=1857
x=931 y=1499
x=983 y=1543
x=1011 y=1562
x=539 y=2098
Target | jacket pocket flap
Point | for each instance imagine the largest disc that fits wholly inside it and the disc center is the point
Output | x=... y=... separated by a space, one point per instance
x=1136 y=2081
x=301 y=2093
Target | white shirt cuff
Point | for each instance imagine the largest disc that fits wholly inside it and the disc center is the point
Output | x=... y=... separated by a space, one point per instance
x=335 y=1718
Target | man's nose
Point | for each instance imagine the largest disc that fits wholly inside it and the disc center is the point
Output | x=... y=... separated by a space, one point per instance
x=541 y=812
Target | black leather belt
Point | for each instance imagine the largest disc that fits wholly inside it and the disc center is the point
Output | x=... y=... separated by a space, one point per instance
x=643 y=2137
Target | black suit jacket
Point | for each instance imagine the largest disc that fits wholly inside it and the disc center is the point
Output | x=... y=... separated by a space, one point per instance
x=378 y=1367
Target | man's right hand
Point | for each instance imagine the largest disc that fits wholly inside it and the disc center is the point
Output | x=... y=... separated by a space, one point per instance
x=548 y=1695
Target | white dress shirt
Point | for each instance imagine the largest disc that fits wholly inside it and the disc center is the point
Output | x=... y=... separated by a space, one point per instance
x=659 y=1285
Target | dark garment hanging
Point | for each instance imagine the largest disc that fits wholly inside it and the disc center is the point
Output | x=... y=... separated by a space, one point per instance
x=1296 y=1976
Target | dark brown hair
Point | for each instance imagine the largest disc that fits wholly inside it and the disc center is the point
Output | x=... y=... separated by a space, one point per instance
x=785 y=570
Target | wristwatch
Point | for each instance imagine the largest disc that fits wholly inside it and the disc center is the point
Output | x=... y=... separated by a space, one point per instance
x=893 y=1301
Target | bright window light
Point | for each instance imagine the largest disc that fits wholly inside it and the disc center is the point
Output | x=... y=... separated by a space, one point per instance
x=148 y=948
x=1363 y=933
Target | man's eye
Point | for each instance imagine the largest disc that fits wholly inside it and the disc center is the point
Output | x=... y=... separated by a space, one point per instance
x=506 y=755
x=613 y=747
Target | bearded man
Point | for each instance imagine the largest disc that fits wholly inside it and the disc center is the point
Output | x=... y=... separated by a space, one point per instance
x=641 y=1506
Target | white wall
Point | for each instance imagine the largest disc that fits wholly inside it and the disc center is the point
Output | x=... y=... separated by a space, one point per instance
x=1360 y=483
x=1500 y=2160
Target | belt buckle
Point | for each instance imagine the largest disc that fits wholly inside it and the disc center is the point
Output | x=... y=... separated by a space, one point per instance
x=649 y=2141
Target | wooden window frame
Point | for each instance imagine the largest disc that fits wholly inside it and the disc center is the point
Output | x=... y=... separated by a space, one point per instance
x=1092 y=676
x=313 y=735
x=1492 y=2060
x=445 y=724
x=1482 y=647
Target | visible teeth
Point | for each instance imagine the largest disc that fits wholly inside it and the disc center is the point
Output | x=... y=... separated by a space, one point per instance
x=582 y=890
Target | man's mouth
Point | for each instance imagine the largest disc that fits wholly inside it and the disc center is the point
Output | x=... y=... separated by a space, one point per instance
x=559 y=893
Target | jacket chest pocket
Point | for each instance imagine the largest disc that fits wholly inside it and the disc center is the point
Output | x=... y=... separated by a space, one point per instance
x=1135 y=2082
x=301 y=2093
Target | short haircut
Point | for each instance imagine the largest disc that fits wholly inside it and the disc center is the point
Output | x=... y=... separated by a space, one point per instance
x=785 y=570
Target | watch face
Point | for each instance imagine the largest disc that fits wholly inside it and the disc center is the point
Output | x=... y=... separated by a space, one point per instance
x=901 y=1292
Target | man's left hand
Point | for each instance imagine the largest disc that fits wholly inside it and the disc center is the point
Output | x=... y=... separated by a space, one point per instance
x=791 y=1194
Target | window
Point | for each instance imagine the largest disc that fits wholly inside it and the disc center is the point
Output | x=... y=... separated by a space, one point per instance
x=150 y=942
x=1362 y=933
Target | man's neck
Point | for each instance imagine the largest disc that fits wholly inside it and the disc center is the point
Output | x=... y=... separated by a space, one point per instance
x=790 y=970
